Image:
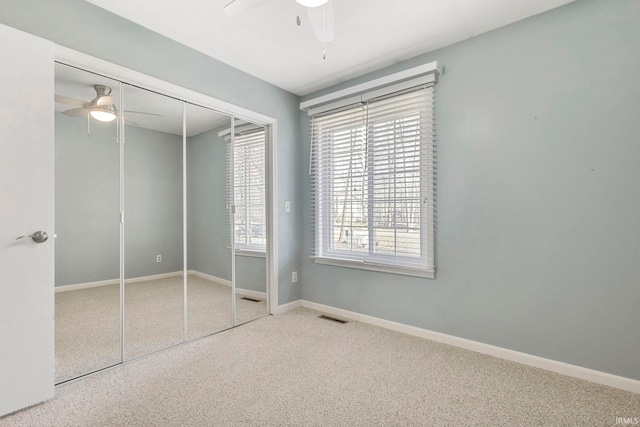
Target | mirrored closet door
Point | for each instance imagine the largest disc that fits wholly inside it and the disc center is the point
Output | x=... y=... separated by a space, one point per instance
x=209 y=287
x=87 y=244
x=154 y=316
x=161 y=222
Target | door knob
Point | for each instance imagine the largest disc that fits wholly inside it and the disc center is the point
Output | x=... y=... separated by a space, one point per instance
x=38 y=237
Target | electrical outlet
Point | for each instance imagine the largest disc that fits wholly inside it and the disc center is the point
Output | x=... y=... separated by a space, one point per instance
x=158 y=258
x=294 y=277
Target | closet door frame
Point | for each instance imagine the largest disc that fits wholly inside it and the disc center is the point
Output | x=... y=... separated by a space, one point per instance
x=98 y=66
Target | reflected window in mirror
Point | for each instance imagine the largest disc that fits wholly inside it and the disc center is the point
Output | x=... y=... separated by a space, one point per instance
x=250 y=222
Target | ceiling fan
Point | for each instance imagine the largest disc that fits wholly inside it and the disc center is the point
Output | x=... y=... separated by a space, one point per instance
x=101 y=108
x=320 y=13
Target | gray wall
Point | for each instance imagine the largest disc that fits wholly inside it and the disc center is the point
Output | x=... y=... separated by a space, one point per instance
x=153 y=202
x=251 y=273
x=538 y=209
x=88 y=202
x=84 y=27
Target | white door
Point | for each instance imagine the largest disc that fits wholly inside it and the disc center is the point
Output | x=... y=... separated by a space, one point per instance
x=26 y=206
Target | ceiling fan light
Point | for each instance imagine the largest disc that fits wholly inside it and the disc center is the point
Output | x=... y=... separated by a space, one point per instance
x=103 y=114
x=312 y=3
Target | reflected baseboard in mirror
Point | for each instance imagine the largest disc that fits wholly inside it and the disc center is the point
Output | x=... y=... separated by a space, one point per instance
x=87 y=324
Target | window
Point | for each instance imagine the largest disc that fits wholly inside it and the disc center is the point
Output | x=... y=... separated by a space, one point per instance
x=372 y=176
x=250 y=225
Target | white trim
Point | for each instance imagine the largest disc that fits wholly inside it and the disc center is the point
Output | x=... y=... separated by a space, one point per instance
x=288 y=307
x=185 y=228
x=87 y=62
x=272 y=219
x=371 y=84
x=579 y=372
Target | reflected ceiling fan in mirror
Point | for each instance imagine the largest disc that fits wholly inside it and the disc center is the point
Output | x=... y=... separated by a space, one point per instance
x=320 y=13
x=101 y=108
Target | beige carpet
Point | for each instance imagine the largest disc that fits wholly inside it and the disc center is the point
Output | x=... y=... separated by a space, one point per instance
x=298 y=370
x=87 y=320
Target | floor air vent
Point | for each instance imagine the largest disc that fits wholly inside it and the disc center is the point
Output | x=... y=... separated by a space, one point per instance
x=335 y=319
x=250 y=299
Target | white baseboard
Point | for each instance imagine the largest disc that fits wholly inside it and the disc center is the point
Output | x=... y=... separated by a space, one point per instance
x=288 y=307
x=598 y=377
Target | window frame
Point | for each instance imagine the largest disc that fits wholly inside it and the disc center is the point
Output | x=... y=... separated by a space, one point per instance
x=323 y=251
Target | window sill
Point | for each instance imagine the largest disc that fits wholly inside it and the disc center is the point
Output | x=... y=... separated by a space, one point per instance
x=405 y=271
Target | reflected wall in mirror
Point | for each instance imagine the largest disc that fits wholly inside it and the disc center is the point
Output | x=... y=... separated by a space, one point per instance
x=209 y=291
x=250 y=220
x=153 y=225
x=87 y=246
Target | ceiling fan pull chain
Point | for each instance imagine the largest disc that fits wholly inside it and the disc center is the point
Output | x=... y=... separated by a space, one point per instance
x=324 y=36
x=88 y=124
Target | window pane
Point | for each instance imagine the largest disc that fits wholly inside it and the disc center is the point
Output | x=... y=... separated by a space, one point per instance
x=348 y=194
x=395 y=146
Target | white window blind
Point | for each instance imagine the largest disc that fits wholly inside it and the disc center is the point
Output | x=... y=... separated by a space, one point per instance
x=372 y=182
x=249 y=190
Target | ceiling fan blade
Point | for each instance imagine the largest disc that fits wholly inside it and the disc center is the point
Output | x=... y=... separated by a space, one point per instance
x=105 y=101
x=142 y=112
x=70 y=101
x=238 y=6
x=76 y=112
x=323 y=22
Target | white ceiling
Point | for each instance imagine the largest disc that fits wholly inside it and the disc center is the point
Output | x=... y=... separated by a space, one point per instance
x=369 y=34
